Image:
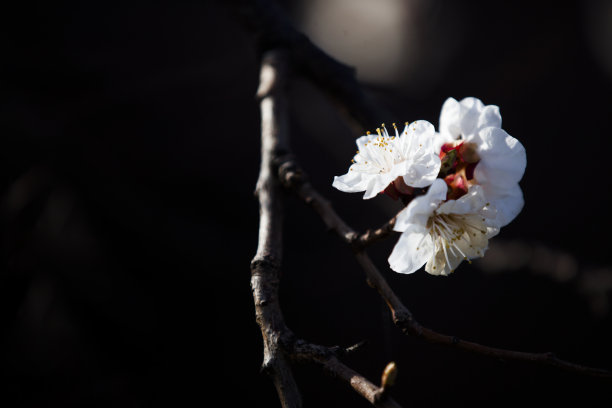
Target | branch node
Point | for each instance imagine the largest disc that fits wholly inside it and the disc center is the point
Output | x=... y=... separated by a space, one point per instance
x=374 y=235
x=265 y=263
x=289 y=173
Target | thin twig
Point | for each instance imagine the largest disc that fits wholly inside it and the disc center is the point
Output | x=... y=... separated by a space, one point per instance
x=329 y=361
x=402 y=317
x=371 y=236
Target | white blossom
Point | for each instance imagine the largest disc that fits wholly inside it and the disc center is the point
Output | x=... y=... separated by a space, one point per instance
x=488 y=156
x=382 y=159
x=441 y=233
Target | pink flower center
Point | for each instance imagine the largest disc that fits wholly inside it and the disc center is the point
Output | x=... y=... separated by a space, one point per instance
x=459 y=159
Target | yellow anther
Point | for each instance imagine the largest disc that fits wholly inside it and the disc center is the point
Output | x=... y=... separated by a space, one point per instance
x=378 y=131
x=368 y=132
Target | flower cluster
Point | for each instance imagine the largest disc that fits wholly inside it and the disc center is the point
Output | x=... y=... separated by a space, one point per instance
x=459 y=185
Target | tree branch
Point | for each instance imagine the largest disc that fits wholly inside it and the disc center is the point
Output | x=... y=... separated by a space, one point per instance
x=280 y=344
x=402 y=317
x=265 y=266
x=371 y=236
x=329 y=361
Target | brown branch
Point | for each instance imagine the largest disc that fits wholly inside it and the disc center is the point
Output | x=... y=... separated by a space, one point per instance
x=280 y=344
x=329 y=361
x=402 y=317
x=371 y=236
x=265 y=266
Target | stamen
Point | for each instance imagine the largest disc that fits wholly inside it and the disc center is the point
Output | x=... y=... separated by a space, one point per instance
x=385 y=132
x=446 y=255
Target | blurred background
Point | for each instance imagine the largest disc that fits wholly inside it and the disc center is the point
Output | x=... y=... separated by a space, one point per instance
x=129 y=155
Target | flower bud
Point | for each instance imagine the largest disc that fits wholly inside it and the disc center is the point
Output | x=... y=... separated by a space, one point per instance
x=389 y=375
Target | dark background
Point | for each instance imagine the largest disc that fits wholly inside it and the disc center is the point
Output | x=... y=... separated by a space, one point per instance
x=128 y=158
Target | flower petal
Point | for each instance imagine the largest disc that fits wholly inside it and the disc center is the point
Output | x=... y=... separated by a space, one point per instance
x=422 y=163
x=378 y=184
x=502 y=157
x=467 y=117
x=412 y=250
x=361 y=141
x=469 y=203
x=438 y=265
x=489 y=117
x=507 y=200
x=470 y=113
x=420 y=208
x=352 y=182
x=450 y=119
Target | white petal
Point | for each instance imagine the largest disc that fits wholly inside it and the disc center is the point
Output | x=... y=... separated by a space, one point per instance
x=422 y=175
x=467 y=117
x=413 y=135
x=418 y=127
x=423 y=162
x=361 y=141
x=503 y=158
x=420 y=208
x=470 y=113
x=352 y=182
x=508 y=201
x=377 y=185
x=437 y=264
x=469 y=203
x=489 y=117
x=450 y=119
x=491 y=232
x=412 y=250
